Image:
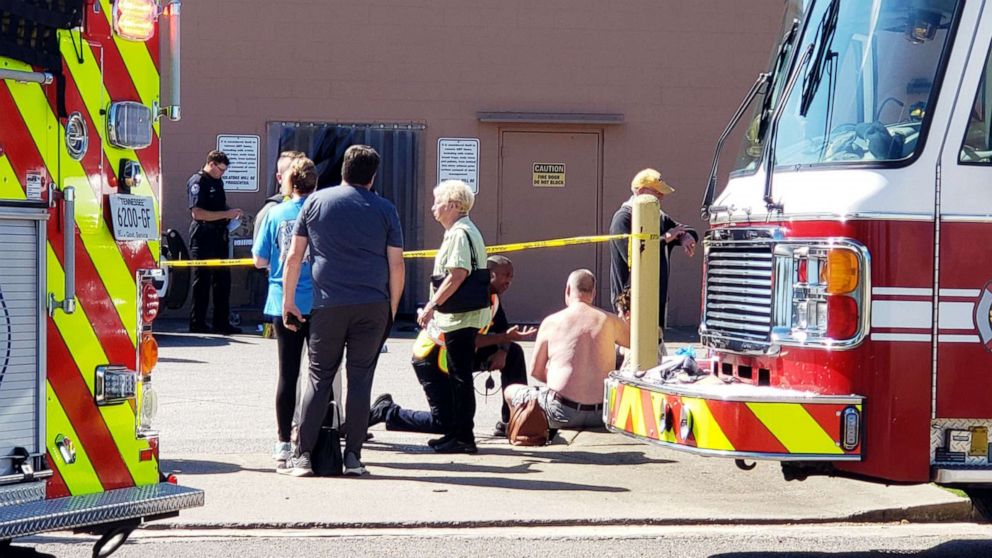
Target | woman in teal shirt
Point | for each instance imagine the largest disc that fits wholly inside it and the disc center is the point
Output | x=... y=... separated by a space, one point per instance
x=269 y=250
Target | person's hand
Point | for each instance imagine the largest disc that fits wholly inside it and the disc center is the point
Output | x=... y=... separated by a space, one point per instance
x=292 y=318
x=689 y=244
x=515 y=333
x=497 y=361
x=675 y=233
x=425 y=315
x=234 y=213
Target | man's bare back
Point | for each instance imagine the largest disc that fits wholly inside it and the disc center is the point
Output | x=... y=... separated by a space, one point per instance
x=575 y=350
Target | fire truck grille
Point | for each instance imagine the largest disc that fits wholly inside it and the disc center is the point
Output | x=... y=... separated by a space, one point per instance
x=738 y=305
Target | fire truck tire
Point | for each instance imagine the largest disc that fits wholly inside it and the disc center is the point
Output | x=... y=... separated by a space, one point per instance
x=981 y=499
x=111 y=540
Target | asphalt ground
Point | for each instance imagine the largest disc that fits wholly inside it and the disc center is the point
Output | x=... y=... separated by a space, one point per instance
x=217 y=427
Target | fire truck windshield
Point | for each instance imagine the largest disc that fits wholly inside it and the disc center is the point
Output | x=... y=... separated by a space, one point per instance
x=863 y=95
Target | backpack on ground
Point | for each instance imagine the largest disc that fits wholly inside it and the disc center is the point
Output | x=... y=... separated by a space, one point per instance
x=326 y=458
x=528 y=425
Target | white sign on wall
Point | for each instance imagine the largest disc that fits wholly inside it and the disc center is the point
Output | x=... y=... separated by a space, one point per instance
x=242 y=173
x=458 y=159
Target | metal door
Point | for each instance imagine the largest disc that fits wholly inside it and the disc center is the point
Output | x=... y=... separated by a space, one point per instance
x=550 y=186
x=964 y=294
x=22 y=391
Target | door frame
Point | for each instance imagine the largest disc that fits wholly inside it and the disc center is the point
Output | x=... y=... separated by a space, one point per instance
x=600 y=134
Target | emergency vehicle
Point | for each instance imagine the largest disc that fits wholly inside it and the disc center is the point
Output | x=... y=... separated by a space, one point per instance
x=847 y=299
x=84 y=85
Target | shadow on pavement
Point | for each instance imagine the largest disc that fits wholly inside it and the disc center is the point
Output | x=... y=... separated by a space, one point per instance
x=15 y=551
x=169 y=340
x=523 y=468
x=509 y=483
x=553 y=455
x=952 y=549
x=198 y=467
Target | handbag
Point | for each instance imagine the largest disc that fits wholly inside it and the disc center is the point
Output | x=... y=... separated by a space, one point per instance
x=528 y=425
x=327 y=458
x=472 y=294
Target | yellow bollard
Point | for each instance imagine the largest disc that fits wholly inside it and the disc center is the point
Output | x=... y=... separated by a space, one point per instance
x=645 y=261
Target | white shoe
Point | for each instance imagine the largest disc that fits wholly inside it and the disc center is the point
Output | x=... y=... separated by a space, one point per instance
x=298 y=467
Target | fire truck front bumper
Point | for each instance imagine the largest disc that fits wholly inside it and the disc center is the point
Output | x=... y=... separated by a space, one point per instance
x=711 y=417
x=79 y=512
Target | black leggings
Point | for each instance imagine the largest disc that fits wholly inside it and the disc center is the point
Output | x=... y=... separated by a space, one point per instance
x=290 y=344
x=460 y=345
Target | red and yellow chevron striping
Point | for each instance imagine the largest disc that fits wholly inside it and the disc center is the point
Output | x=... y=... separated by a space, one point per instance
x=103 y=330
x=703 y=419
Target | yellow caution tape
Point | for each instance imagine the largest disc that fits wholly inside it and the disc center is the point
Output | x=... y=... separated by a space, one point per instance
x=498 y=249
x=208 y=263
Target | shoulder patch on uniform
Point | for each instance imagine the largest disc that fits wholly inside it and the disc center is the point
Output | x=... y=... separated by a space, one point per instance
x=194 y=189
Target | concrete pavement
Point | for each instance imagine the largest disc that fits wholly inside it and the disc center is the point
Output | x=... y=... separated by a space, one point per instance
x=217 y=424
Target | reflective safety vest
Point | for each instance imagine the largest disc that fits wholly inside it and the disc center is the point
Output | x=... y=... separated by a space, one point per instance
x=431 y=337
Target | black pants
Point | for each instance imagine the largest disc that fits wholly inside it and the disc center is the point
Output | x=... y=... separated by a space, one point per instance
x=362 y=329
x=290 y=345
x=460 y=345
x=437 y=389
x=209 y=242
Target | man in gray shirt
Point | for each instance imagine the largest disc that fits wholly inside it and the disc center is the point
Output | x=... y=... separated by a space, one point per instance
x=355 y=248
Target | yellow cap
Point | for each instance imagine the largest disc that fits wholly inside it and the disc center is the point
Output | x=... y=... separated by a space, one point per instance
x=650 y=178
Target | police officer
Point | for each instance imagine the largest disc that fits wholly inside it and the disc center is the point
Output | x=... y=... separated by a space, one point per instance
x=208 y=240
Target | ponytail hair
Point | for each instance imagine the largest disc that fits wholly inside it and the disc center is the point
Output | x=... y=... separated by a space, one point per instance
x=301 y=177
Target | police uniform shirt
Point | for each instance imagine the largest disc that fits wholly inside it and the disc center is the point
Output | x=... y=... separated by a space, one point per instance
x=207 y=192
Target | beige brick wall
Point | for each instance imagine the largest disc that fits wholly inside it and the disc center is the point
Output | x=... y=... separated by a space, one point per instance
x=676 y=69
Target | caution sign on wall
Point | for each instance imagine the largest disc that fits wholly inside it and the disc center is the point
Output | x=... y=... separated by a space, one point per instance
x=549 y=175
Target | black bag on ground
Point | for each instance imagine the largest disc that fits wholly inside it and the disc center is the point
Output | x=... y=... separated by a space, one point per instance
x=327 y=458
x=472 y=294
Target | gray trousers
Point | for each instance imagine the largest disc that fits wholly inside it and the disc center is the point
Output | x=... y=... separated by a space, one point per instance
x=361 y=329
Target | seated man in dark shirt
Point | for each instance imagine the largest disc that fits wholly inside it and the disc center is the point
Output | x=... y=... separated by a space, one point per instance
x=496 y=349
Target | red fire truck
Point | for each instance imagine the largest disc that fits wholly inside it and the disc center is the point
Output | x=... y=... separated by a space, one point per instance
x=847 y=301
x=84 y=85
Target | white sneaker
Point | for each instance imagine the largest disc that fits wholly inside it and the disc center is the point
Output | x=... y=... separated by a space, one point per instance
x=298 y=467
x=353 y=467
x=282 y=452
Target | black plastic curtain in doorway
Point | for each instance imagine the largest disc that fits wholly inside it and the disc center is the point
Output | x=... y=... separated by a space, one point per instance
x=399 y=180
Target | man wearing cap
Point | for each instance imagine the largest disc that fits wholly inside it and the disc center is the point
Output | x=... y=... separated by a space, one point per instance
x=649 y=182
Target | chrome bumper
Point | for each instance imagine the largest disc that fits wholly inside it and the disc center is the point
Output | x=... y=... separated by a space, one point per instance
x=111 y=506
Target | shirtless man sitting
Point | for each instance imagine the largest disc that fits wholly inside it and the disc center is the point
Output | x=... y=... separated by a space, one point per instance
x=574 y=352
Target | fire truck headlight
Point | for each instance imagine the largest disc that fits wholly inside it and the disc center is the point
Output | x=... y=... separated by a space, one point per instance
x=842 y=271
x=129 y=126
x=135 y=19
x=114 y=384
x=149 y=406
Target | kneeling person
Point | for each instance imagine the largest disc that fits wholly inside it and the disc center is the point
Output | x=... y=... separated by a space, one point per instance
x=496 y=349
x=573 y=354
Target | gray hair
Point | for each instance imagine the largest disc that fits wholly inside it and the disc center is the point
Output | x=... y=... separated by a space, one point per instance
x=583 y=281
x=457 y=192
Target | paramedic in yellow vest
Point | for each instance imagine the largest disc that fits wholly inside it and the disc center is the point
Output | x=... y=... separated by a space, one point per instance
x=496 y=349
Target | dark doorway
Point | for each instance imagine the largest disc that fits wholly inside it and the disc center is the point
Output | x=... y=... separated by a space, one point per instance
x=399 y=179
